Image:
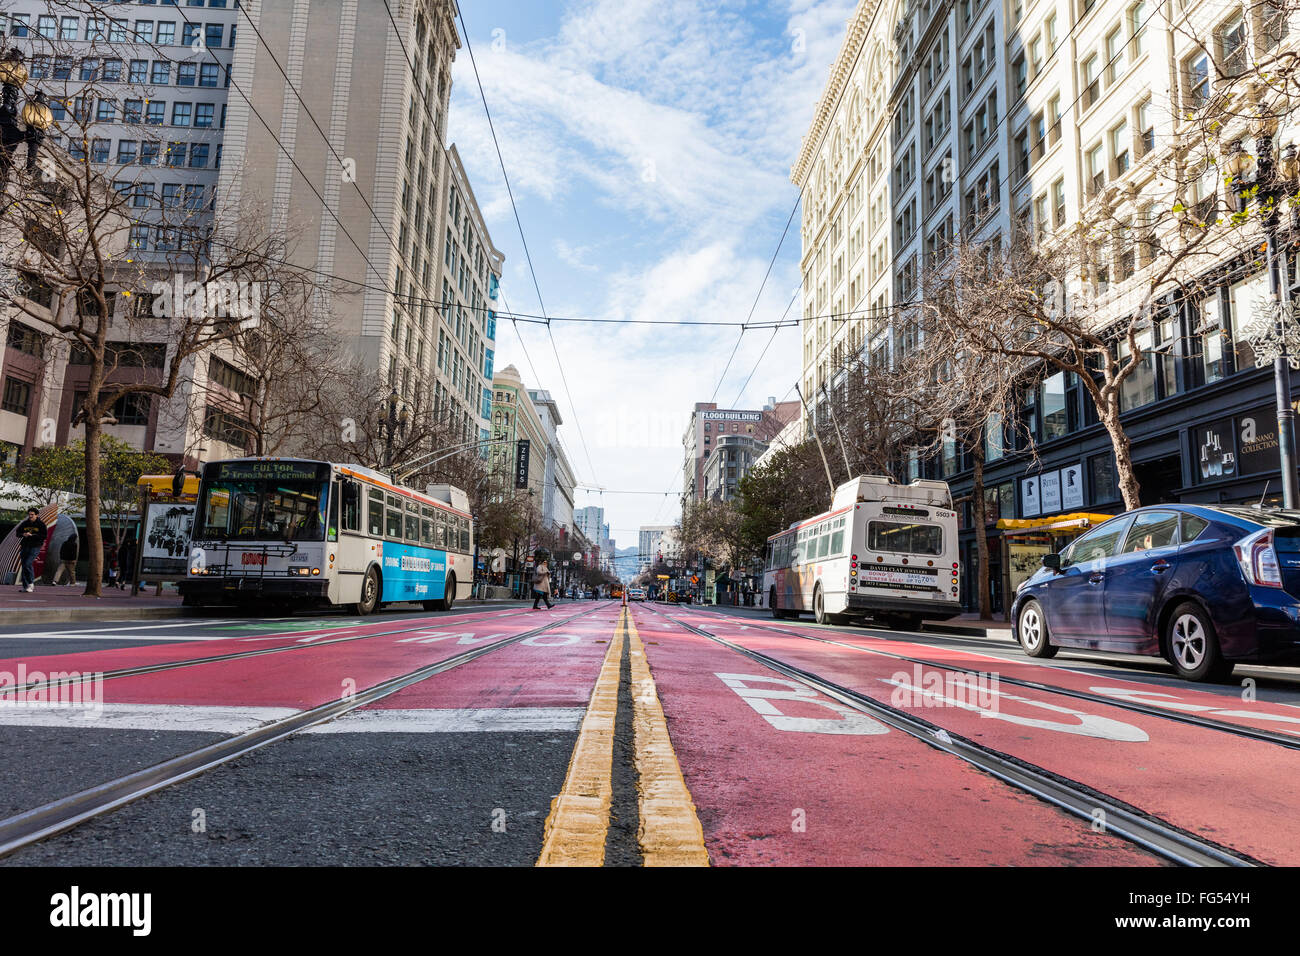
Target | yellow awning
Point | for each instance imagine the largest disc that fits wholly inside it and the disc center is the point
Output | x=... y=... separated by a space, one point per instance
x=1052 y=523
x=162 y=484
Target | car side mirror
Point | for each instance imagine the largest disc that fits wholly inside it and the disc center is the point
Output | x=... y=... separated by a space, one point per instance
x=1052 y=561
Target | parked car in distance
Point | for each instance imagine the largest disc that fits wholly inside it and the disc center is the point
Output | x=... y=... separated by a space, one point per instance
x=636 y=594
x=1204 y=586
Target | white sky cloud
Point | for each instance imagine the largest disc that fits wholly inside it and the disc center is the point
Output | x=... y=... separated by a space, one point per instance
x=648 y=143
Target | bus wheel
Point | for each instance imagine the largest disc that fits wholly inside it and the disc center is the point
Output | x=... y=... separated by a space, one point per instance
x=819 y=607
x=448 y=594
x=369 y=594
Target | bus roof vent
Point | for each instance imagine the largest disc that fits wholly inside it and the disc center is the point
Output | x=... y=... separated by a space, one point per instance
x=369 y=473
x=922 y=491
x=449 y=494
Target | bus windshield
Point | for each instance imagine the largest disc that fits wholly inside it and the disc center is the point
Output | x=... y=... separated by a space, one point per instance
x=263 y=508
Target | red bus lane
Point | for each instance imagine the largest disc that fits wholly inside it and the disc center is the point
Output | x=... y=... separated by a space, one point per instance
x=159 y=652
x=1234 y=791
x=316 y=674
x=1236 y=707
x=556 y=669
x=783 y=775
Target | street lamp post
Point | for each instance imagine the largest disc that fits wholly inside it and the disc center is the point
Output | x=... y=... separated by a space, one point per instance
x=1272 y=332
x=36 y=116
x=393 y=425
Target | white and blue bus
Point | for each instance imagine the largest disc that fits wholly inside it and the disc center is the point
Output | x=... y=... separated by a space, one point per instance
x=294 y=532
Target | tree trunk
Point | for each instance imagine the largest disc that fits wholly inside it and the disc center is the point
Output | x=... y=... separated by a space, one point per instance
x=981 y=534
x=94 y=531
x=1124 y=475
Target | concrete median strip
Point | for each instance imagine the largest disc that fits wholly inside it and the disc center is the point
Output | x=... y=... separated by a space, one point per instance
x=671 y=834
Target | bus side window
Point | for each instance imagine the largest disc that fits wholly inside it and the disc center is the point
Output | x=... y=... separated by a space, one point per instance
x=412 y=522
x=332 y=531
x=464 y=534
x=350 y=492
x=426 y=527
x=837 y=542
x=440 y=541
x=375 y=514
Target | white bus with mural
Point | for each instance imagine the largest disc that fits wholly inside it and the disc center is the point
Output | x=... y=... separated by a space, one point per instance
x=294 y=532
x=884 y=550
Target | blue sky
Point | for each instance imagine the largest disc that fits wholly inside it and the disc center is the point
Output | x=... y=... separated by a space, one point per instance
x=649 y=144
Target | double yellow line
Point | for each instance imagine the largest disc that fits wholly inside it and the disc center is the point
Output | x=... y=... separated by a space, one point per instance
x=670 y=832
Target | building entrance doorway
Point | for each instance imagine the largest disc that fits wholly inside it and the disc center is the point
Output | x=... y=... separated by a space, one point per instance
x=1159 y=479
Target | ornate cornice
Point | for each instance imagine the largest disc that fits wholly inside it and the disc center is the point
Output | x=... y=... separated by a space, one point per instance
x=855 y=37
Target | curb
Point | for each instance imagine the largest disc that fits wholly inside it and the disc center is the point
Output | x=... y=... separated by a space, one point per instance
x=973 y=630
x=66 y=615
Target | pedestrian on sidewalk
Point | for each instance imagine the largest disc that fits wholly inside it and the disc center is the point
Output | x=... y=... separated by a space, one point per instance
x=68 y=561
x=31 y=535
x=126 y=560
x=541 y=581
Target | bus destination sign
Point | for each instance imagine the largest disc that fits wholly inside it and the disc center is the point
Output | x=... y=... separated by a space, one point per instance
x=270 y=471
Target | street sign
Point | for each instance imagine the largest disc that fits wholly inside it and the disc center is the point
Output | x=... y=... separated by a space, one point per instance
x=521 y=463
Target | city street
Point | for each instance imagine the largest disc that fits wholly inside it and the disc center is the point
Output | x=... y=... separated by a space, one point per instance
x=508 y=736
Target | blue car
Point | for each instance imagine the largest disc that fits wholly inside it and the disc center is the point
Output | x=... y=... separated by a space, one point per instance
x=1205 y=586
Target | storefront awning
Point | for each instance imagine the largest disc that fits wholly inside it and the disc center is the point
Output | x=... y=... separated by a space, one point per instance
x=1068 y=522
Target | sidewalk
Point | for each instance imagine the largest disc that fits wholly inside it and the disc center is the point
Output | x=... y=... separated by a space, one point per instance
x=56 y=604
x=59 y=604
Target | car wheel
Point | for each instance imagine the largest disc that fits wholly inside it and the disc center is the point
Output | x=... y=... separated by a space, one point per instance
x=369 y=594
x=1032 y=631
x=448 y=594
x=1193 y=645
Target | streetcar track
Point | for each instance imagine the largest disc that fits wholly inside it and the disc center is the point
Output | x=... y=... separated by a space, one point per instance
x=1154 y=834
x=58 y=816
x=1289 y=741
x=297 y=645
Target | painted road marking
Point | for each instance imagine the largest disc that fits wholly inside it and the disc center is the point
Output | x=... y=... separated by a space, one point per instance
x=1174 y=702
x=239 y=720
x=74 y=635
x=204 y=719
x=848 y=721
x=454 y=720
x=579 y=819
x=670 y=833
x=1089 y=725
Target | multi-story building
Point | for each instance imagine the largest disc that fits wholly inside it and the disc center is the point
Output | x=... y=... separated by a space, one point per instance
x=974 y=118
x=337 y=125
x=558 y=480
x=515 y=418
x=649 y=544
x=709 y=423
x=727 y=464
x=140 y=90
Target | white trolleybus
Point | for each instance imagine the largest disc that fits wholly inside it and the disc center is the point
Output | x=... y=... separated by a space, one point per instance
x=286 y=531
x=884 y=550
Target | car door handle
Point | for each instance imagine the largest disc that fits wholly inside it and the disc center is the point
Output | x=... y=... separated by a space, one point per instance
x=1159 y=566
x=1096 y=577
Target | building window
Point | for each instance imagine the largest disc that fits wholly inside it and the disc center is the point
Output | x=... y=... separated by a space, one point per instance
x=1101 y=478
x=17 y=396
